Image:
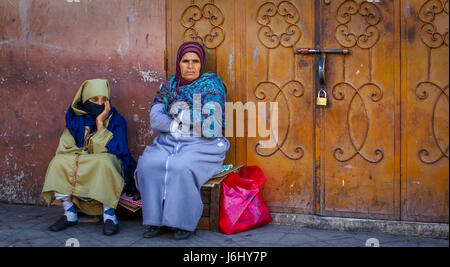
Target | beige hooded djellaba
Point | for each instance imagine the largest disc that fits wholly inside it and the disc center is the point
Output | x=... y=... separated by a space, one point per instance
x=89 y=172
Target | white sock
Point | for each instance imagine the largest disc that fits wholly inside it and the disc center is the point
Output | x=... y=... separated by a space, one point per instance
x=108 y=213
x=70 y=211
x=69 y=207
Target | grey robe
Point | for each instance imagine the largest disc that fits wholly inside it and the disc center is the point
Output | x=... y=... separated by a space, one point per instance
x=171 y=172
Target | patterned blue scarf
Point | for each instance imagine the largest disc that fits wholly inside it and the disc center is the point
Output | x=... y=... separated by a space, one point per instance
x=211 y=89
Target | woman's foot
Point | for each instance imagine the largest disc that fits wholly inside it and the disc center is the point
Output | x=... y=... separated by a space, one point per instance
x=182 y=234
x=154 y=231
x=110 y=228
x=110 y=222
x=61 y=224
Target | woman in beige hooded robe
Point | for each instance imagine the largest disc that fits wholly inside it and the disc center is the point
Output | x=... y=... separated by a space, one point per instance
x=92 y=164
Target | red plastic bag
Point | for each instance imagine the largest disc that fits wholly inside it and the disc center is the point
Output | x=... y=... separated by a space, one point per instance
x=242 y=206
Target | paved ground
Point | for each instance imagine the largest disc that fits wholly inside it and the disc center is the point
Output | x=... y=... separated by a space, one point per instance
x=24 y=226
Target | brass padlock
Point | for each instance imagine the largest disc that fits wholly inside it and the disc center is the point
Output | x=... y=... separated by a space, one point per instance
x=322 y=98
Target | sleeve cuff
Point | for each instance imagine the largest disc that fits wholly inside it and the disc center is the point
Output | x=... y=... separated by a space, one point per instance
x=98 y=142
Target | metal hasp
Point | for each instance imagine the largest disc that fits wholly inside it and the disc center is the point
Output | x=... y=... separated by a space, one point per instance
x=321 y=99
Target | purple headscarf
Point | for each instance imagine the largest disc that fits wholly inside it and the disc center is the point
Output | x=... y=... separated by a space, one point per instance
x=188 y=47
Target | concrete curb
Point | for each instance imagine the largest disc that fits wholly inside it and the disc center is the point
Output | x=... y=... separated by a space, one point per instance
x=432 y=230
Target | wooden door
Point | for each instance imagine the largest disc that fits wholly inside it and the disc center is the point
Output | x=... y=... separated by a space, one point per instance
x=359 y=129
x=272 y=72
x=362 y=155
x=425 y=113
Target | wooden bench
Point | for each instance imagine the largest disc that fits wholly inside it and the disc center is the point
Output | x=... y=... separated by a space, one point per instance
x=211 y=193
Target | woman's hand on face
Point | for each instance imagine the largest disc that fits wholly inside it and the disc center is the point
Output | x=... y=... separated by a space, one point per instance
x=102 y=117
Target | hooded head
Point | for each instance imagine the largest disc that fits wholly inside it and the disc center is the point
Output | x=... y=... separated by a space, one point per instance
x=189 y=47
x=90 y=88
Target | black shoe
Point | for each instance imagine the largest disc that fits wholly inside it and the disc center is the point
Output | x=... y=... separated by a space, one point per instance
x=110 y=228
x=154 y=231
x=182 y=234
x=61 y=224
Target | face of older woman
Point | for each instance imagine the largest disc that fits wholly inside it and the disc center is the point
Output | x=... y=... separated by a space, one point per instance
x=190 y=66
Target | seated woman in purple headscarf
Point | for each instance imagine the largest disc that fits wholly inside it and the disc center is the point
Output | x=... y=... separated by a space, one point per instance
x=188 y=152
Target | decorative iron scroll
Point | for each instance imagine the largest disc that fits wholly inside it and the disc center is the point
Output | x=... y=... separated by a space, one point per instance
x=213 y=14
x=433 y=39
x=422 y=94
x=295 y=88
x=427 y=14
x=372 y=16
x=291 y=16
x=376 y=95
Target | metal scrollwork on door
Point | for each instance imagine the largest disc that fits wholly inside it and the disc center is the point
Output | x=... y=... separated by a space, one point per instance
x=362 y=33
x=269 y=37
x=427 y=14
x=376 y=94
x=422 y=93
x=294 y=88
x=369 y=36
x=279 y=29
x=204 y=24
x=433 y=39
